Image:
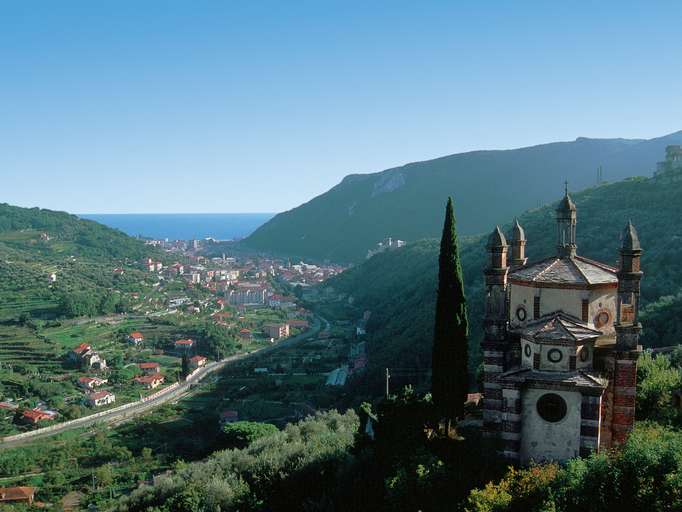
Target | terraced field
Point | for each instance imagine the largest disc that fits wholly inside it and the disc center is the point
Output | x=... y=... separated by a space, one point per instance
x=20 y=346
x=40 y=307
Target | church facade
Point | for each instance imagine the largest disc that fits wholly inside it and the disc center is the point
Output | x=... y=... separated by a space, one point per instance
x=561 y=345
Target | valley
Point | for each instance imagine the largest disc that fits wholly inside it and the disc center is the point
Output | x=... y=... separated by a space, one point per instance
x=194 y=337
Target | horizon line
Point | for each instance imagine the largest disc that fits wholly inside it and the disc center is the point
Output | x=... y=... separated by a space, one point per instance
x=177 y=213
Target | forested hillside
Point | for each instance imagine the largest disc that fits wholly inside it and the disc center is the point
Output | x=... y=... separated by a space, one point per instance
x=80 y=255
x=20 y=228
x=487 y=186
x=399 y=286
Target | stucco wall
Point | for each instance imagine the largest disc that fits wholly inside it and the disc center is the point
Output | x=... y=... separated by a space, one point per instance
x=603 y=300
x=566 y=300
x=542 y=440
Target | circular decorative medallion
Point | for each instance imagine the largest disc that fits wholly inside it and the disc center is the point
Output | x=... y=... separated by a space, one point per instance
x=521 y=314
x=527 y=350
x=554 y=355
x=551 y=407
x=584 y=353
x=601 y=319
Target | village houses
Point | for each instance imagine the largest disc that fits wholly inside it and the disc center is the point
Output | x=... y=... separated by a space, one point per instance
x=150 y=381
x=277 y=331
x=197 y=362
x=84 y=355
x=91 y=382
x=100 y=398
x=149 y=368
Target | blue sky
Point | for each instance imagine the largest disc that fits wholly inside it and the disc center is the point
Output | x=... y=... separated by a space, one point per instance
x=251 y=106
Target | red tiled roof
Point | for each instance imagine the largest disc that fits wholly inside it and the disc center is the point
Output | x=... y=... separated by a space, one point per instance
x=197 y=358
x=98 y=395
x=17 y=493
x=83 y=347
x=148 y=379
x=146 y=366
x=136 y=334
x=184 y=342
x=36 y=415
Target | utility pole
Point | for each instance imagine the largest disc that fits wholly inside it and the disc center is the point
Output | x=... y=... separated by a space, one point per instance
x=388 y=378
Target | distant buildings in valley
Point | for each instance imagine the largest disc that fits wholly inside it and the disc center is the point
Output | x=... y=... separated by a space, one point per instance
x=387 y=244
x=246 y=294
x=277 y=331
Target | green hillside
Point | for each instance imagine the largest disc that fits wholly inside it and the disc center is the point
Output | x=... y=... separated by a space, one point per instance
x=35 y=243
x=343 y=223
x=399 y=286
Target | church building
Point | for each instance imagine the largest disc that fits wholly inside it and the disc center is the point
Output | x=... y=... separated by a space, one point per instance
x=560 y=346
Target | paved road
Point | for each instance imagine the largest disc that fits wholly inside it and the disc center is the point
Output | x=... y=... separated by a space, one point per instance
x=119 y=416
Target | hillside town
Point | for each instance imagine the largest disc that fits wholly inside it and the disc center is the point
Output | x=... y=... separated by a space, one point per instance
x=193 y=310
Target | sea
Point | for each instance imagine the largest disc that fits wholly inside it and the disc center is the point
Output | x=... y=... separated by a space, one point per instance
x=183 y=226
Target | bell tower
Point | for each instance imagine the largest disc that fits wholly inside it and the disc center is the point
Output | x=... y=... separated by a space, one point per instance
x=495 y=330
x=628 y=330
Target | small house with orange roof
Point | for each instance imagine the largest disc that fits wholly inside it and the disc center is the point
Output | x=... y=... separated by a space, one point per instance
x=184 y=345
x=79 y=353
x=100 y=398
x=135 y=338
x=197 y=361
x=149 y=368
x=150 y=381
x=34 y=416
x=90 y=382
x=17 y=495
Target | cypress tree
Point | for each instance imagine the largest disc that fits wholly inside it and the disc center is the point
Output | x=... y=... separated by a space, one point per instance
x=450 y=379
x=185 y=366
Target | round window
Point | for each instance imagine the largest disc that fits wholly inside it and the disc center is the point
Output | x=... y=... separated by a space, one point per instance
x=551 y=407
x=521 y=313
x=584 y=353
x=526 y=350
x=554 y=355
x=601 y=319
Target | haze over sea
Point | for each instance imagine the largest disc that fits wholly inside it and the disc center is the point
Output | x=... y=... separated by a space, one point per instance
x=183 y=226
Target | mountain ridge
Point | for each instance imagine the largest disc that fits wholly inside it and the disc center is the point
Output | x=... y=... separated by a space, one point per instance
x=399 y=286
x=343 y=223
